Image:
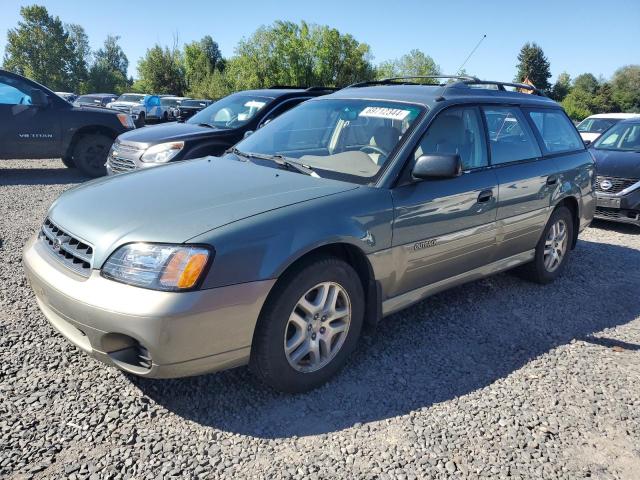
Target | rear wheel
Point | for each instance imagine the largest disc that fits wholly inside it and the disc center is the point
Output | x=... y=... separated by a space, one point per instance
x=90 y=154
x=553 y=249
x=141 y=120
x=309 y=326
x=68 y=162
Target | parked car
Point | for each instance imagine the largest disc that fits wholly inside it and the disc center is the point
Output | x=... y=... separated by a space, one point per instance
x=209 y=132
x=68 y=96
x=95 y=100
x=37 y=123
x=188 y=108
x=592 y=127
x=617 y=154
x=172 y=105
x=141 y=107
x=341 y=211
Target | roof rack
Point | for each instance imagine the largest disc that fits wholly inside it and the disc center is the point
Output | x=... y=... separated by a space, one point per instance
x=500 y=85
x=406 y=80
x=301 y=87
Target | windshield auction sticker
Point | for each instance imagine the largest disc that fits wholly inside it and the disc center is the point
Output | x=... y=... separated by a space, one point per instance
x=383 y=112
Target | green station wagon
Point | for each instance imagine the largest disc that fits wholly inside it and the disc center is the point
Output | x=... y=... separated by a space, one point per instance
x=340 y=212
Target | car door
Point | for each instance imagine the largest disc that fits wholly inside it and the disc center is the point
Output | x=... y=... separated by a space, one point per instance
x=28 y=124
x=445 y=227
x=526 y=179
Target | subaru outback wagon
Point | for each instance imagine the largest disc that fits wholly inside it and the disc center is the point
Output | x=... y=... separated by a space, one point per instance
x=342 y=211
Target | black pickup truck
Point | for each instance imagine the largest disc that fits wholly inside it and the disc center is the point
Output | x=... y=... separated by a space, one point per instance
x=37 y=123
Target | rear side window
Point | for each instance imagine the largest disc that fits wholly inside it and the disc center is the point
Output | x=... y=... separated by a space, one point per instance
x=556 y=131
x=510 y=138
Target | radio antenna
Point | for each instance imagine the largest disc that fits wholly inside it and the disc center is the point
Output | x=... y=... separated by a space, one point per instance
x=470 y=54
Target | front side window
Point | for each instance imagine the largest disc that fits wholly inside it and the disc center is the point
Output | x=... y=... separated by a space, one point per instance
x=14 y=91
x=556 y=131
x=339 y=138
x=596 y=125
x=623 y=137
x=456 y=131
x=232 y=111
x=510 y=138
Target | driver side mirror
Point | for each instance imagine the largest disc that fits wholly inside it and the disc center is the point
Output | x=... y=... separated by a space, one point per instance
x=39 y=98
x=437 y=166
x=247 y=133
x=587 y=142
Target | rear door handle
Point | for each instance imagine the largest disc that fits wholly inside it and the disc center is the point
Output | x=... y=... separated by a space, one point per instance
x=552 y=180
x=485 y=196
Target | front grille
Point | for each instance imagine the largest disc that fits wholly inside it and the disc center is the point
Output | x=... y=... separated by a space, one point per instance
x=617 y=184
x=73 y=253
x=120 y=165
x=614 y=213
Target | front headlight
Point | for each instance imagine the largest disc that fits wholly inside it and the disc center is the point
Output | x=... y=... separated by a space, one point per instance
x=162 y=152
x=158 y=266
x=126 y=120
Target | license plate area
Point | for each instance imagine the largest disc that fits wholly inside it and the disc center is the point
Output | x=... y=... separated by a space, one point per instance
x=608 y=202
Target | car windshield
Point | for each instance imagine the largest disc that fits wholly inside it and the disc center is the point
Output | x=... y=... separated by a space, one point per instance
x=338 y=138
x=623 y=136
x=232 y=111
x=193 y=103
x=596 y=125
x=88 y=99
x=170 y=102
x=130 y=98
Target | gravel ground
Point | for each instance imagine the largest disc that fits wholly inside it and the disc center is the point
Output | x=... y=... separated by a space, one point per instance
x=499 y=378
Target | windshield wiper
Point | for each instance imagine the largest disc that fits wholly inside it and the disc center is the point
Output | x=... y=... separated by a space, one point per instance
x=279 y=159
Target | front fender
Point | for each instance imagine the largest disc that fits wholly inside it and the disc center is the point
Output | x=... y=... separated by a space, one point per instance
x=264 y=246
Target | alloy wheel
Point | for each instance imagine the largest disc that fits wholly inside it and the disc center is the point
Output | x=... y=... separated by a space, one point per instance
x=317 y=327
x=555 y=245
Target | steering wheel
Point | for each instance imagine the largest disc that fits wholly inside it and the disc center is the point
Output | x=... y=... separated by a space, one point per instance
x=374 y=149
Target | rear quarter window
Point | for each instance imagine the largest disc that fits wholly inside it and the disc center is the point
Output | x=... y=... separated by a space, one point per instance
x=557 y=133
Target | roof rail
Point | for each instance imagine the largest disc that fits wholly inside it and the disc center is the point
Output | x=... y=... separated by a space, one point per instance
x=323 y=89
x=500 y=85
x=404 y=80
x=286 y=87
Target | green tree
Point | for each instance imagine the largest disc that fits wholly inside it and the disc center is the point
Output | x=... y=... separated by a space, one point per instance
x=562 y=87
x=108 y=73
x=39 y=48
x=603 y=101
x=201 y=60
x=587 y=82
x=286 y=53
x=78 y=43
x=414 y=63
x=533 y=65
x=578 y=104
x=625 y=86
x=161 y=71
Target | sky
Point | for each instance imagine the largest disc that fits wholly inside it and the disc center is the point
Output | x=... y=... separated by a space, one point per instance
x=577 y=36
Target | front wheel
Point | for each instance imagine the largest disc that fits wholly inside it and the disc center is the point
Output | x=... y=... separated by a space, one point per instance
x=309 y=326
x=68 y=162
x=553 y=249
x=90 y=154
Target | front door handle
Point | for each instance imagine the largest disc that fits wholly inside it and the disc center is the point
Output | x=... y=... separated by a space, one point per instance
x=552 y=180
x=485 y=196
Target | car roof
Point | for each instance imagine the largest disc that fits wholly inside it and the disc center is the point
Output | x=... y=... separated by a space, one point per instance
x=635 y=119
x=427 y=95
x=615 y=115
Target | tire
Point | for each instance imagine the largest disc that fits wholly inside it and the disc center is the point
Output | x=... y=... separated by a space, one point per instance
x=165 y=117
x=297 y=372
x=141 y=120
x=90 y=154
x=540 y=270
x=68 y=162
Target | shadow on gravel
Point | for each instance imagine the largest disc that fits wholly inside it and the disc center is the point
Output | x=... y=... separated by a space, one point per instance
x=40 y=176
x=616 y=227
x=450 y=345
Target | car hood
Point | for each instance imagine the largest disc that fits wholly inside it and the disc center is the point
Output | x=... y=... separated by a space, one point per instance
x=170 y=132
x=176 y=202
x=593 y=136
x=613 y=163
x=123 y=104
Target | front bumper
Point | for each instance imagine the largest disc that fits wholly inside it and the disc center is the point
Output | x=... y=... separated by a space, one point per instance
x=623 y=208
x=146 y=332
